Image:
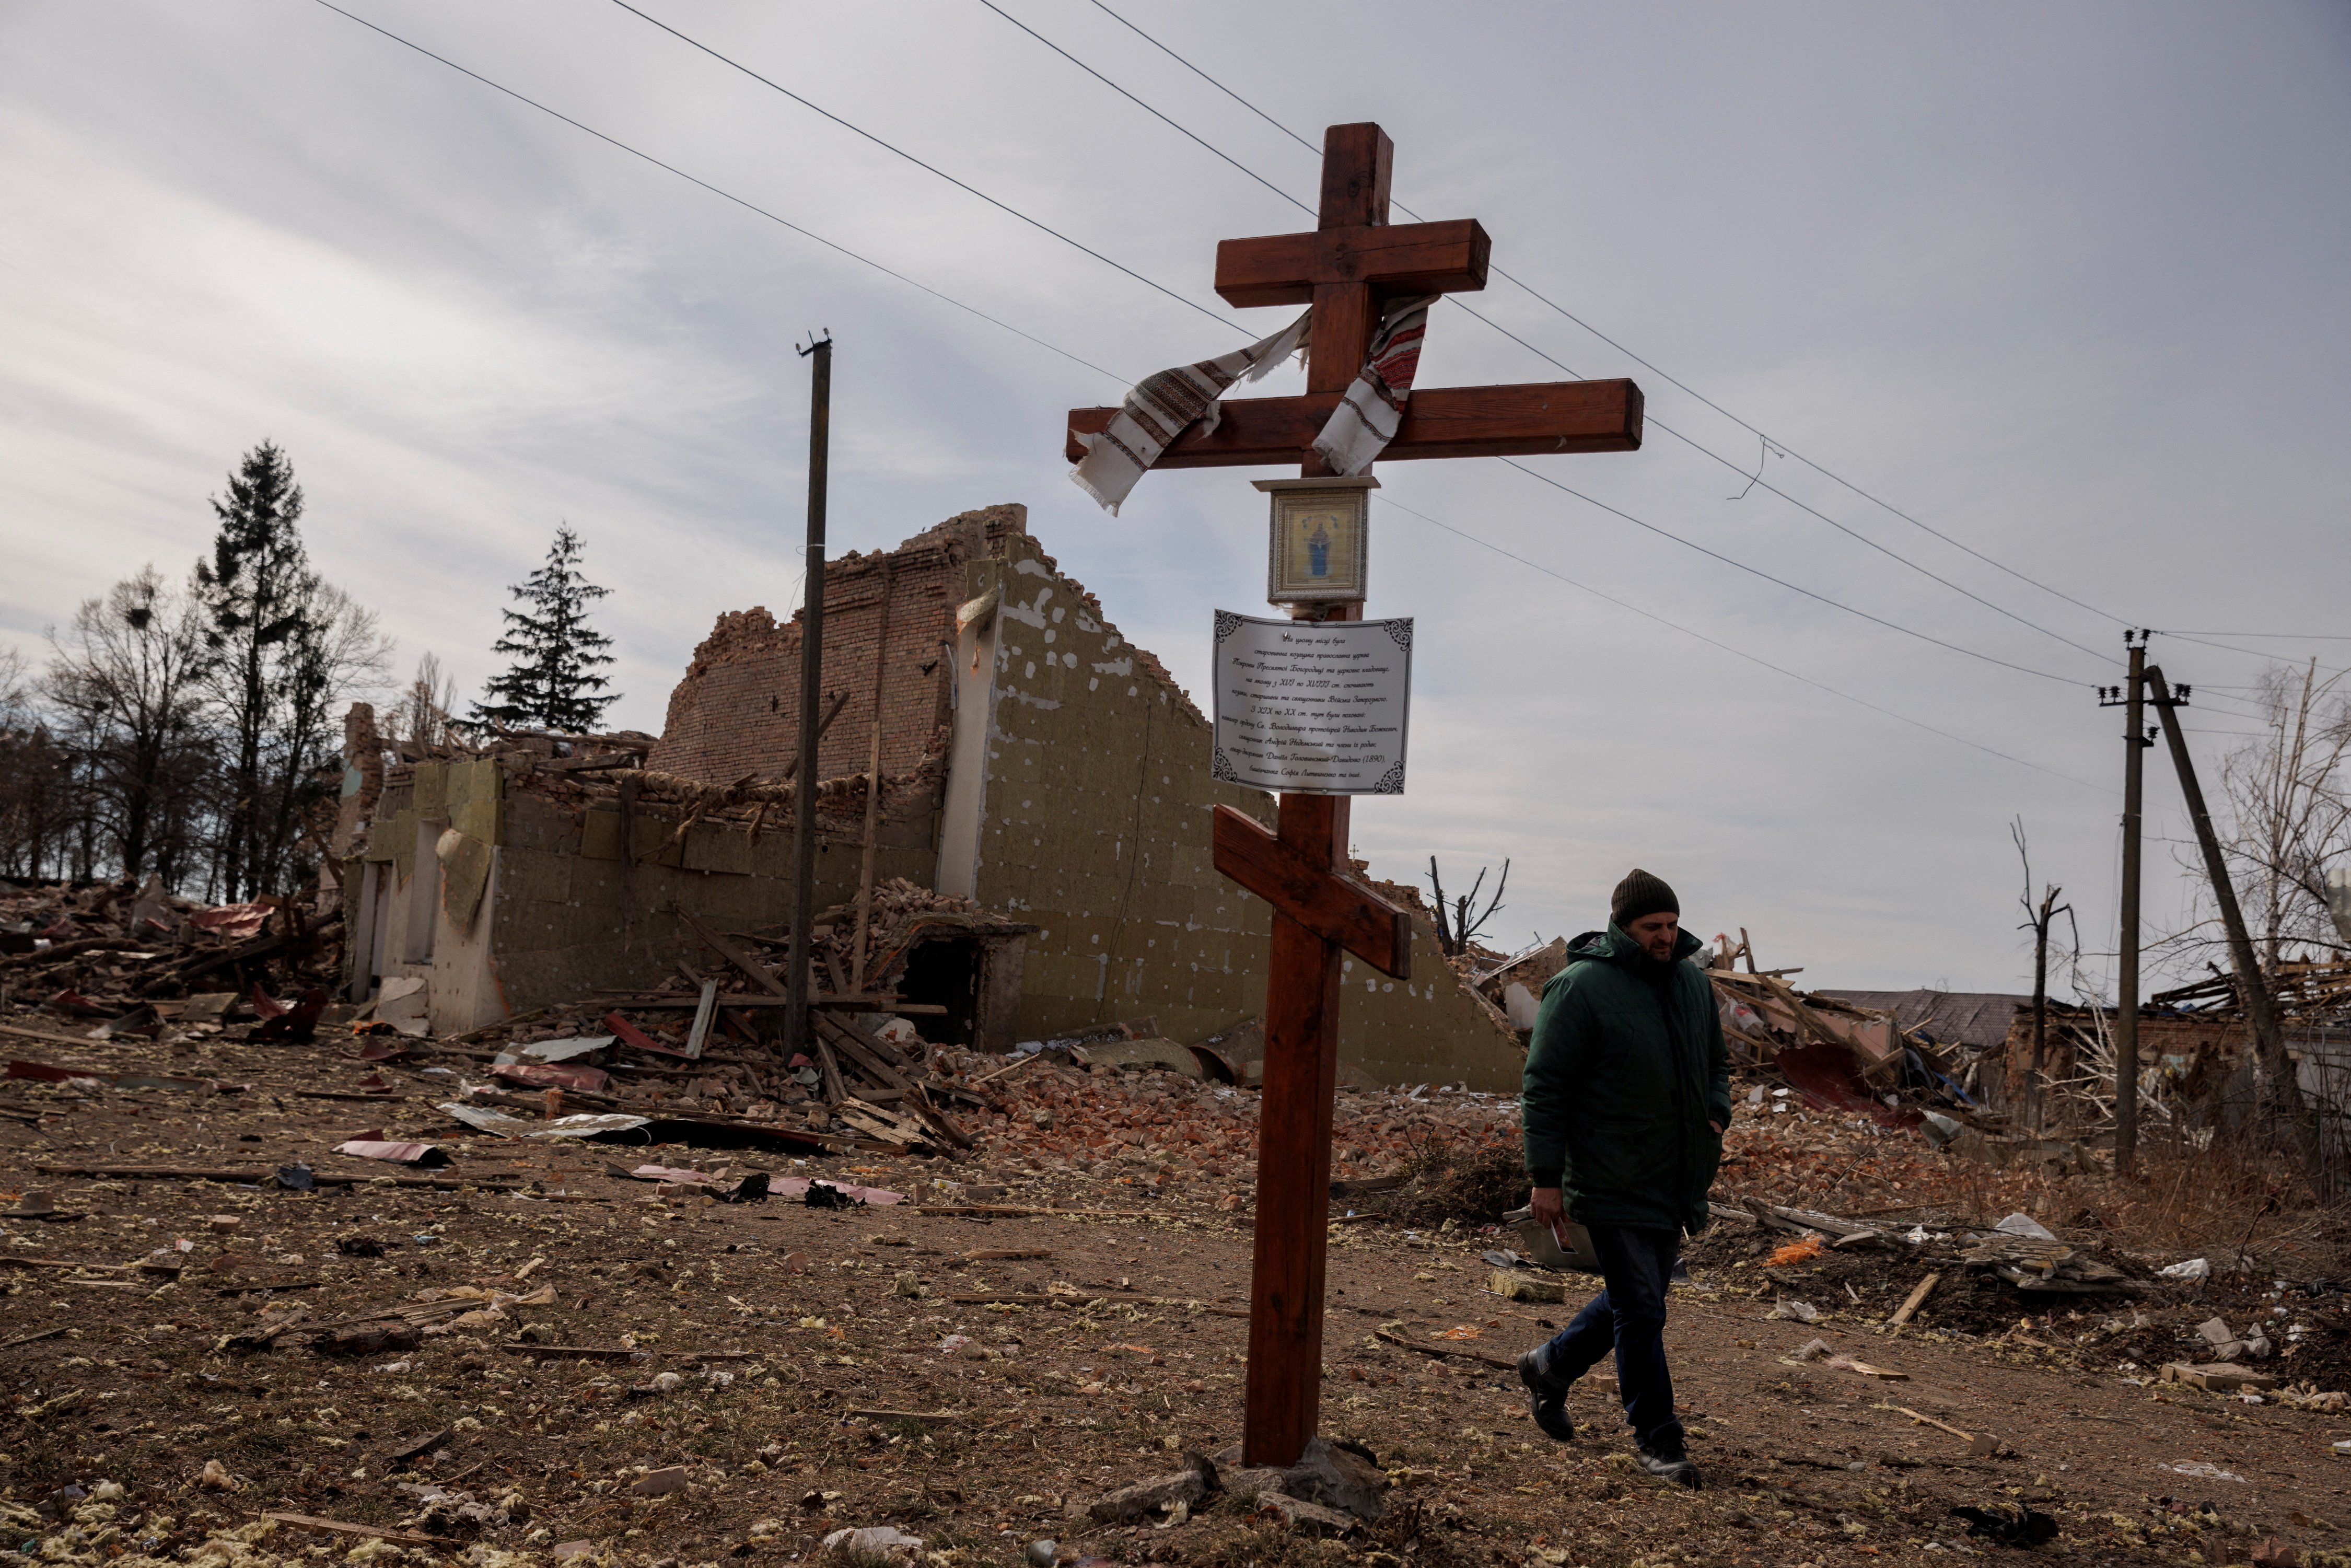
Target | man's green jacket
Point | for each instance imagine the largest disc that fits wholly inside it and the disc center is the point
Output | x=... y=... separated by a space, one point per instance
x=1625 y=1069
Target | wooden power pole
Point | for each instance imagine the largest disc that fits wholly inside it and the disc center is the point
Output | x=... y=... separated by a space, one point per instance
x=796 y=964
x=2137 y=738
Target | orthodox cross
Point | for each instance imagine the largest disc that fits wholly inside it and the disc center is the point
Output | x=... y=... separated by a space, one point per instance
x=1348 y=268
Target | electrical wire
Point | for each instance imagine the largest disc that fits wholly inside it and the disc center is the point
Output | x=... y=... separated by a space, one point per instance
x=1173 y=125
x=992 y=201
x=1755 y=480
x=899 y=276
x=2249 y=653
x=1735 y=652
x=1551 y=304
x=729 y=195
x=2280 y=636
x=933 y=168
x=1782 y=581
x=1762 y=483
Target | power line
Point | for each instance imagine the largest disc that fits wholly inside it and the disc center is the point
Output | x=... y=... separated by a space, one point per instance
x=1209 y=80
x=1784 y=582
x=1753 y=480
x=1545 y=300
x=2207 y=643
x=992 y=201
x=1736 y=653
x=1758 y=480
x=935 y=169
x=1042 y=343
x=1171 y=125
x=729 y=195
x=2279 y=636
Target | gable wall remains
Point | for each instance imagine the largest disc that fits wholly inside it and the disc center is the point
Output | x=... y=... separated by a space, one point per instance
x=736 y=709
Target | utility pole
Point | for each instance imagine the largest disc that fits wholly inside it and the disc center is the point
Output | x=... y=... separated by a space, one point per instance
x=2137 y=738
x=2280 y=1093
x=796 y=1036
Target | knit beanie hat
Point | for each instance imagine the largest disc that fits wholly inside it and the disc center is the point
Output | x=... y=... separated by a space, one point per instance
x=1640 y=894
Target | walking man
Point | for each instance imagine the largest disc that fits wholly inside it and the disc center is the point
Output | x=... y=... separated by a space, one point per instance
x=1626 y=1093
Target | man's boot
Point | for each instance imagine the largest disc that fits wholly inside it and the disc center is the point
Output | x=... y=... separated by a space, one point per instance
x=1669 y=1461
x=1546 y=1398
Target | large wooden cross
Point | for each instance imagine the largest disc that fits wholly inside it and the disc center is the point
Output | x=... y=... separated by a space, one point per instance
x=1348 y=268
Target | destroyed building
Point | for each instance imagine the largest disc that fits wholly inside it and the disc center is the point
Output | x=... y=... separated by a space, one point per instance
x=1038 y=773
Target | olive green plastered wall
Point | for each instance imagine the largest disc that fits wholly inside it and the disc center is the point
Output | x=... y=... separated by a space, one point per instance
x=557 y=934
x=1096 y=827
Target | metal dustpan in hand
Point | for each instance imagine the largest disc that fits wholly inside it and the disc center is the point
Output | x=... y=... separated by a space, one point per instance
x=1545 y=1250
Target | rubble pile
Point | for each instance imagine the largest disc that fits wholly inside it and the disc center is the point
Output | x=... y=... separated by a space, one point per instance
x=574 y=769
x=1783 y=1149
x=1158 y=1127
x=136 y=960
x=899 y=912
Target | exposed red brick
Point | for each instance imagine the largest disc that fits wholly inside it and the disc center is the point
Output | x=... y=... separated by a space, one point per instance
x=737 y=710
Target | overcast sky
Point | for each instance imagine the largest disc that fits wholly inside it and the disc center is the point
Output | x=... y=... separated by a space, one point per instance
x=2066 y=285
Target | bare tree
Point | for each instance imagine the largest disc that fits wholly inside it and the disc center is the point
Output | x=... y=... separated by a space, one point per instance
x=129 y=681
x=2291 y=816
x=35 y=789
x=1453 y=935
x=424 y=724
x=2037 y=920
x=335 y=650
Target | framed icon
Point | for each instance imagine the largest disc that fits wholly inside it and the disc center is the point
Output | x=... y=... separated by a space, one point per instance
x=1320 y=537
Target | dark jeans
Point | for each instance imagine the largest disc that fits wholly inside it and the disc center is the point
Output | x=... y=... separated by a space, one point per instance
x=1627 y=1316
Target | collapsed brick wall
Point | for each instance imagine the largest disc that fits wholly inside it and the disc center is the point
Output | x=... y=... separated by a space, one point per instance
x=736 y=711
x=1090 y=792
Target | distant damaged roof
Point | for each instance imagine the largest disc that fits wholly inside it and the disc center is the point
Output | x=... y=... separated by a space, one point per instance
x=1975 y=1019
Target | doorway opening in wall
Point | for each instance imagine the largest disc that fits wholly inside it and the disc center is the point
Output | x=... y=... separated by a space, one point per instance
x=945 y=972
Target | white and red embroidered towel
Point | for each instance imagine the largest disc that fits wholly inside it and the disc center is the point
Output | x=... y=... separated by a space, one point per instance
x=1366 y=421
x=1161 y=407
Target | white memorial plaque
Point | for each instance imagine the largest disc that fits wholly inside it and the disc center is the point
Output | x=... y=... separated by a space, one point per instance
x=1317 y=707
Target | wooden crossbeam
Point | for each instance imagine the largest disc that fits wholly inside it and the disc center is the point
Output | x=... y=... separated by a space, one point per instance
x=1393 y=258
x=1332 y=907
x=1531 y=420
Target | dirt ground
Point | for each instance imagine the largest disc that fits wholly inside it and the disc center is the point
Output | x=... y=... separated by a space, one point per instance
x=875 y=1365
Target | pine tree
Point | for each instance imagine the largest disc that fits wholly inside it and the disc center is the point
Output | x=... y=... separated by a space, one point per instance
x=253 y=590
x=285 y=646
x=552 y=683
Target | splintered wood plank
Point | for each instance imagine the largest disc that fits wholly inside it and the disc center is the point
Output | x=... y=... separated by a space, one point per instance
x=344 y=1527
x=735 y=955
x=1530 y=420
x=857 y=1045
x=1332 y=907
